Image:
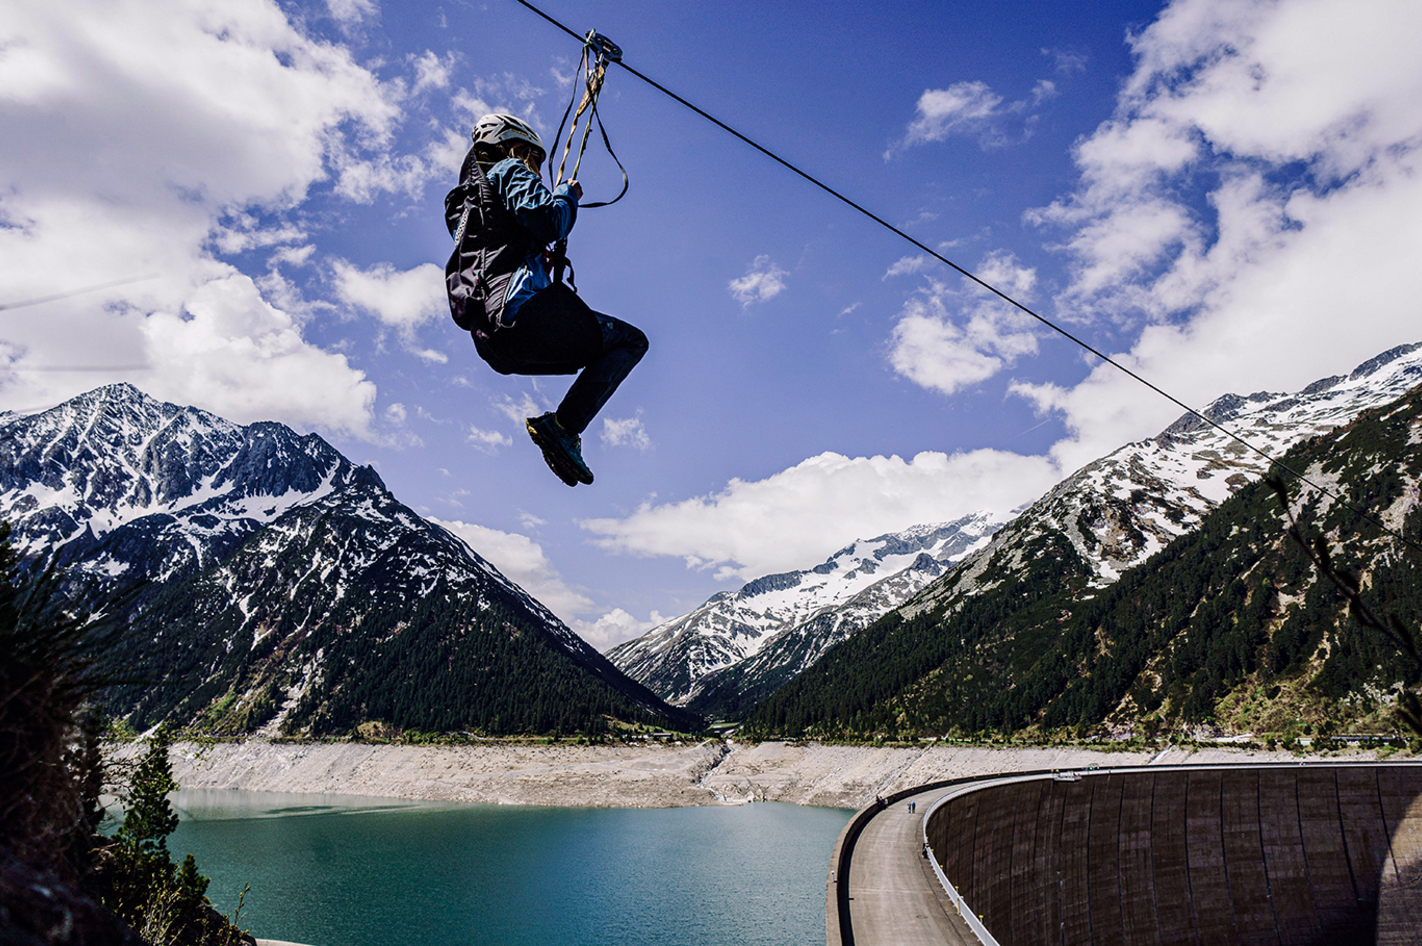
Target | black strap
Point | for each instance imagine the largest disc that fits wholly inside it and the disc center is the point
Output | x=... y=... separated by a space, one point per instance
x=558 y=257
x=608 y=145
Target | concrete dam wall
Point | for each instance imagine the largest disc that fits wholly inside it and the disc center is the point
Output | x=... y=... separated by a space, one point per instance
x=1291 y=855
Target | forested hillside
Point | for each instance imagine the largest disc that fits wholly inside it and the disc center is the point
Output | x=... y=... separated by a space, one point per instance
x=345 y=617
x=1228 y=625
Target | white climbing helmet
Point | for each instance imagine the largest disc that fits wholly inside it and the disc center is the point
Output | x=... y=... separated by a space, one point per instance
x=496 y=129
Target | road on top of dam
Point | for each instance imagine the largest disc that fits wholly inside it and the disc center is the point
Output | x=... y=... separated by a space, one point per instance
x=894 y=899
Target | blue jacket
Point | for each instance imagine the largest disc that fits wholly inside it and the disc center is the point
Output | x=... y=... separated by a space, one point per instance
x=546 y=216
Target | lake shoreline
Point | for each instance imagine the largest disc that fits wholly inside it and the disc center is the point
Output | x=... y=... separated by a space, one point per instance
x=652 y=776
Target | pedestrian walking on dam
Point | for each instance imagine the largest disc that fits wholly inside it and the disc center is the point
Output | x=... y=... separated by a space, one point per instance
x=508 y=227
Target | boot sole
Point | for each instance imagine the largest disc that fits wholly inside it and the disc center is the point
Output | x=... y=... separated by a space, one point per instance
x=553 y=456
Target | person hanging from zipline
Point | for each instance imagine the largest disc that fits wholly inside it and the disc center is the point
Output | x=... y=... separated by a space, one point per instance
x=508 y=228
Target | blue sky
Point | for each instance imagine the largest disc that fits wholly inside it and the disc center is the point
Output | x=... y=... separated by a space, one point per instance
x=1221 y=192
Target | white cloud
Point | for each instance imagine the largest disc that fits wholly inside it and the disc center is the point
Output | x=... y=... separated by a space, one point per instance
x=625 y=431
x=292 y=255
x=1066 y=62
x=523 y=562
x=962 y=108
x=473 y=107
x=1044 y=91
x=432 y=72
x=245 y=231
x=933 y=352
x=351 y=12
x=156 y=133
x=973 y=110
x=908 y=265
x=946 y=340
x=403 y=300
x=487 y=441
x=614 y=627
x=762 y=281
x=360 y=179
x=234 y=354
x=801 y=515
x=1302 y=121
x=518 y=411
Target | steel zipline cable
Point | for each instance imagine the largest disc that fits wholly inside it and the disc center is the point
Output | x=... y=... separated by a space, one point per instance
x=989 y=287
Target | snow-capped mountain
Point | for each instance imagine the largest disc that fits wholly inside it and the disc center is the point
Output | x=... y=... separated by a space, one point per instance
x=774 y=627
x=1118 y=511
x=131 y=487
x=280 y=585
x=1114 y=600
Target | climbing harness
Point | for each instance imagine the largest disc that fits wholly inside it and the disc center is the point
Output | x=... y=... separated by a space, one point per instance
x=598 y=53
x=615 y=55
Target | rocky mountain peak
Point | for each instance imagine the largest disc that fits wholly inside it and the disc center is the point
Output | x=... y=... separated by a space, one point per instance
x=116 y=468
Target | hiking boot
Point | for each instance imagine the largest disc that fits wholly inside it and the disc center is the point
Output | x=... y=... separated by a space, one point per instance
x=562 y=451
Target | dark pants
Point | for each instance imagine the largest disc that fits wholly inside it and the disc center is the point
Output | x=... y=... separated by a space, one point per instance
x=556 y=333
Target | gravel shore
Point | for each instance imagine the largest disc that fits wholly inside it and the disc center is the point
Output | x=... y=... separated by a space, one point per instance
x=653 y=776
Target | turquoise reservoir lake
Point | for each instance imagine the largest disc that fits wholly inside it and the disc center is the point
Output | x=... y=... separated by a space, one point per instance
x=342 y=871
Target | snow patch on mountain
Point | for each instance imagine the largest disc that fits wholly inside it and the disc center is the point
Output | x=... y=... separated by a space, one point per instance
x=735 y=626
x=1123 y=508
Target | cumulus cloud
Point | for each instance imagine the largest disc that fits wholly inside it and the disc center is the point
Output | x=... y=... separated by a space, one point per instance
x=432 y=72
x=1303 y=122
x=153 y=175
x=361 y=178
x=244 y=359
x=762 y=281
x=518 y=410
x=614 y=627
x=803 y=514
x=523 y=562
x=351 y=12
x=908 y=265
x=946 y=340
x=488 y=441
x=401 y=299
x=961 y=108
x=969 y=109
x=625 y=432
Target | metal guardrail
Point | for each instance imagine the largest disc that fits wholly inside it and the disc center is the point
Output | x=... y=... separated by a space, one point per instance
x=850 y=837
x=974 y=922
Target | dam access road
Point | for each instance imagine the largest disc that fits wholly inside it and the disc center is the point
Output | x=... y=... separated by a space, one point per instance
x=894 y=897
x=1295 y=854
